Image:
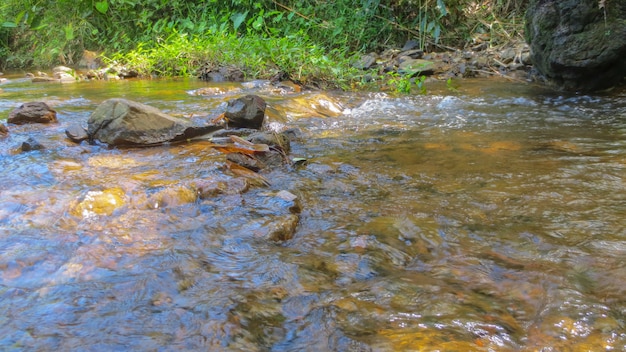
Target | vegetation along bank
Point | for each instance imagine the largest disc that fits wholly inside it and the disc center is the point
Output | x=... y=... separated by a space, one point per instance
x=340 y=44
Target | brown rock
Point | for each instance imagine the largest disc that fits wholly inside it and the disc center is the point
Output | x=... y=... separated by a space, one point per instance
x=32 y=112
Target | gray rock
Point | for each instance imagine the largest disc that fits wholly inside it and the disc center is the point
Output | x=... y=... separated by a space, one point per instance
x=246 y=112
x=121 y=122
x=365 y=62
x=76 y=133
x=32 y=112
x=575 y=44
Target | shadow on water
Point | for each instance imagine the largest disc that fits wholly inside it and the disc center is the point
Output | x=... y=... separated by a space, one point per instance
x=487 y=218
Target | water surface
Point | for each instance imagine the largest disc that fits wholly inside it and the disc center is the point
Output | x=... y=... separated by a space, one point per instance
x=490 y=218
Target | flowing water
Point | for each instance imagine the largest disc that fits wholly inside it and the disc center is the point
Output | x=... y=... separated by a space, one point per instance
x=489 y=218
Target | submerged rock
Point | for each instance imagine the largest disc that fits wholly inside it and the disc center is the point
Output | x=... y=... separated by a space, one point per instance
x=172 y=197
x=32 y=112
x=31 y=144
x=211 y=188
x=121 y=122
x=578 y=45
x=282 y=216
x=103 y=202
x=280 y=228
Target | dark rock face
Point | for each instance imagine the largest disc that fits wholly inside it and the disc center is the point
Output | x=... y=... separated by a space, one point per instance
x=577 y=45
x=32 y=112
x=3 y=130
x=246 y=112
x=31 y=144
x=121 y=122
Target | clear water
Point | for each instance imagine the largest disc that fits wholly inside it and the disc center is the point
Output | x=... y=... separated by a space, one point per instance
x=491 y=218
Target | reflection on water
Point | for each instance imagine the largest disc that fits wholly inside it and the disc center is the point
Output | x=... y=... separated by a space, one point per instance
x=486 y=219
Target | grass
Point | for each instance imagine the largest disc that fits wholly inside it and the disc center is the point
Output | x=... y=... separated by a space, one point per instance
x=257 y=57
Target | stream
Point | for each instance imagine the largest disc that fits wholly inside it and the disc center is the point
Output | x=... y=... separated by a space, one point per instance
x=490 y=217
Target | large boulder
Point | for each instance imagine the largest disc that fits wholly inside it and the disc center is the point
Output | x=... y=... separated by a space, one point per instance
x=121 y=122
x=32 y=112
x=578 y=45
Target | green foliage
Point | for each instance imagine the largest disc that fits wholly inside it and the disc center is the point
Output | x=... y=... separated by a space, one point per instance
x=259 y=57
x=400 y=84
x=290 y=35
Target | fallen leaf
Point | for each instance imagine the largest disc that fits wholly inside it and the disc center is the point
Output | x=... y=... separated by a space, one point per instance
x=247 y=173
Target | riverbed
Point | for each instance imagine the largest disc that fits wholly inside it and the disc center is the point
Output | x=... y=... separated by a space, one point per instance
x=486 y=217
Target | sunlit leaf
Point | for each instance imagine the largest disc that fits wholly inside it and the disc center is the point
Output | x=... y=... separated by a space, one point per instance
x=249 y=145
x=102 y=6
x=237 y=139
x=252 y=176
x=252 y=146
x=9 y=25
